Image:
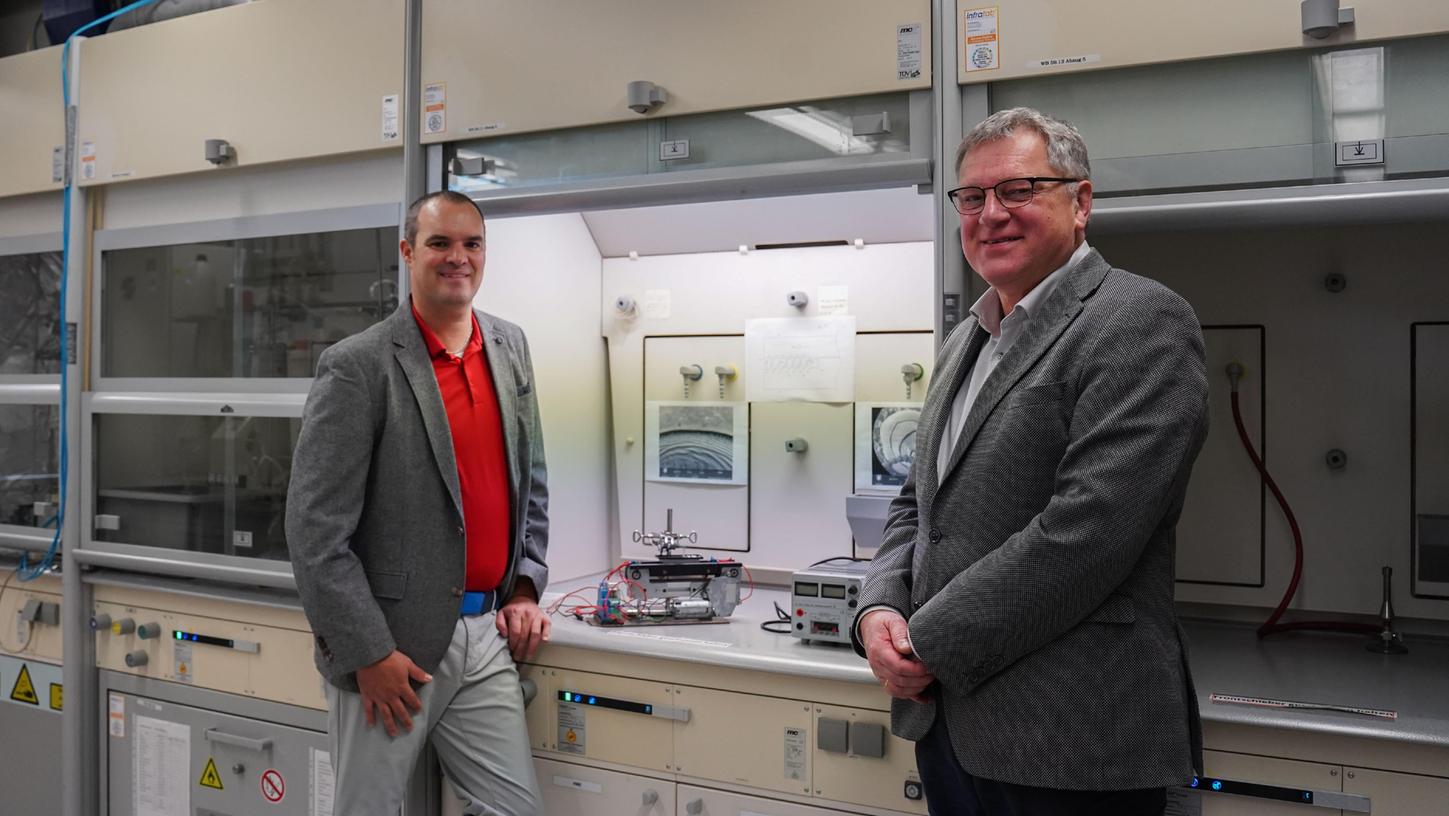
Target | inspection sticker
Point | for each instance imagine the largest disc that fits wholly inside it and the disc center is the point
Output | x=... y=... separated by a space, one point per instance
x=116 y=716
x=435 y=107
x=324 y=784
x=571 y=728
x=88 y=160
x=28 y=683
x=983 y=42
x=795 y=753
x=390 y=131
x=908 y=51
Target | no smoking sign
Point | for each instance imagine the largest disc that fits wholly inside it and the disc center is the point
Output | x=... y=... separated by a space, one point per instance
x=273 y=786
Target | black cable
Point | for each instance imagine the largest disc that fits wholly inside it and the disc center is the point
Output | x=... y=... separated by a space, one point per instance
x=849 y=558
x=781 y=617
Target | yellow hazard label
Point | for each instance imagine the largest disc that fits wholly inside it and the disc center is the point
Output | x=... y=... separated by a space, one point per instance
x=209 y=777
x=571 y=736
x=55 y=696
x=24 y=690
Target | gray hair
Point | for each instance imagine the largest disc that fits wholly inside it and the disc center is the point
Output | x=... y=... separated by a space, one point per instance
x=1066 y=151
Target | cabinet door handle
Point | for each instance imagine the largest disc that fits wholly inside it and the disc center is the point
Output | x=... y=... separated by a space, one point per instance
x=220 y=737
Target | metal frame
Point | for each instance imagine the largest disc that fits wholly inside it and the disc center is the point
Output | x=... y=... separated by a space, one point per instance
x=372 y=216
x=166 y=561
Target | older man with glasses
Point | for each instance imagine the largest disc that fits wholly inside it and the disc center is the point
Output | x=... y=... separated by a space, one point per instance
x=1020 y=609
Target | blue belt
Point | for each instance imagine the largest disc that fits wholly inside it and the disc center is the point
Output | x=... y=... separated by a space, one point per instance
x=478 y=603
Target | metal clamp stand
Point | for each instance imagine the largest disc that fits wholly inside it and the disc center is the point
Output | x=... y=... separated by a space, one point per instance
x=1389 y=641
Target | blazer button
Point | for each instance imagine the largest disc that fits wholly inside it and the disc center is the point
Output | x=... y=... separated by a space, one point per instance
x=457 y=592
x=935 y=536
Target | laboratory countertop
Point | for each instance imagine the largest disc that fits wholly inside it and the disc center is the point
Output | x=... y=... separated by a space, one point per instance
x=1226 y=659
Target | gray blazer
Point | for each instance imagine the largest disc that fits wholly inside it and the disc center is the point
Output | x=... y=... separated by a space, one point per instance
x=1037 y=570
x=374 y=516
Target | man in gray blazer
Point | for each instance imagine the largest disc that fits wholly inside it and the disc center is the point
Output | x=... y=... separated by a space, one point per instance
x=417 y=523
x=1020 y=608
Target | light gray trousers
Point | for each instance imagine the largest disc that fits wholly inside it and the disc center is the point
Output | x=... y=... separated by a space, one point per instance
x=473 y=716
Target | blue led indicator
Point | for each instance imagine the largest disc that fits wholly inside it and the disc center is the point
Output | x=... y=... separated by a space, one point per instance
x=649 y=709
x=1307 y=797
x=1195 y=782
x=1217 y=784
x=591 y=701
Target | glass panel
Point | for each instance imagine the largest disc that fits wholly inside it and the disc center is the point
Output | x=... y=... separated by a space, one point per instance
x=174 y=311
x=30 y=313
x=29 y=461
x=767 y=135
x=1254 y=121
x=205 y=484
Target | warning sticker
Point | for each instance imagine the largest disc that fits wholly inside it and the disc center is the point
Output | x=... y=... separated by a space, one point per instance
x=24 y=689
x=571 y=728
x=435 y=107
x=209 y=777
x=26 y=683
x=181 y=659
x=273 y=786
x=56 y=696
x=982 y=39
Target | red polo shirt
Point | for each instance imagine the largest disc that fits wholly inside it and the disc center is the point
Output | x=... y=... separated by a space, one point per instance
x=477 y=426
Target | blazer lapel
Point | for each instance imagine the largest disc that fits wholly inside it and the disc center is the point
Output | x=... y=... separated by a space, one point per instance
x=500 y=368
x=1054 y=315
x=412 y=355
x=936 y=413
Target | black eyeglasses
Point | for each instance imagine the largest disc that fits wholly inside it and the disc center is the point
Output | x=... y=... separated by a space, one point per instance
x=1012 y=193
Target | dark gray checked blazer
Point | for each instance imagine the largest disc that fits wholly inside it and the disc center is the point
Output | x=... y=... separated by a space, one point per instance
x=374 y=517
x=1037 y=570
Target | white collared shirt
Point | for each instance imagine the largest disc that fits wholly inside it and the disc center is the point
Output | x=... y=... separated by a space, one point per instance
x=1004 y=330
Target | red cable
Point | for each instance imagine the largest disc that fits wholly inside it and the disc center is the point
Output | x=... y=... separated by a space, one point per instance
x=1271 y=626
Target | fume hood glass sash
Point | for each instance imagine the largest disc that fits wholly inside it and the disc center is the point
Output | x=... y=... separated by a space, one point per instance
x=881 y=140
x=1257 y=121
x=242 y=304
x=189 y=482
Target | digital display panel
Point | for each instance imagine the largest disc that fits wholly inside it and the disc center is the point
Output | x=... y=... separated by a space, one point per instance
x=832 y=591
x=808 y=590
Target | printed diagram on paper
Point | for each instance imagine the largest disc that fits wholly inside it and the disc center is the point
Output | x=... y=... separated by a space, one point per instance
x=805 y=359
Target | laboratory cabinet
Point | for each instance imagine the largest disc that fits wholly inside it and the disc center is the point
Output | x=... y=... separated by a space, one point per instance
x=1007 y=39
x=31 y=142
x=170 y=749
x=271 y=79
x=1382 y=777
x=773 y=744
x=1319 y=116
x=581 y=58
x=569 y=788
x=31 y=692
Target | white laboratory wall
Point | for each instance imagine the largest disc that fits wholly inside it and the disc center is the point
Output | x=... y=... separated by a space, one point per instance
x=700 y=302
x=36 y=214
x=1336 y=375
x=543 y=274
x=269 y=190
